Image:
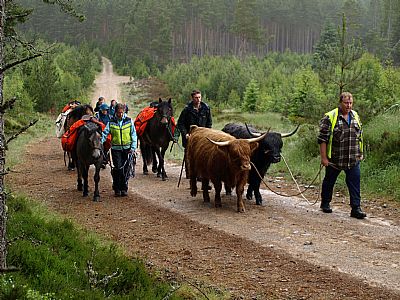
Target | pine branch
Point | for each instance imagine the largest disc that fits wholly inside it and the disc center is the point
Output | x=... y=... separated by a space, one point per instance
x=9 y=270
x=20 y=61
x=19 y=16
x=67 y=7
x=22 y=130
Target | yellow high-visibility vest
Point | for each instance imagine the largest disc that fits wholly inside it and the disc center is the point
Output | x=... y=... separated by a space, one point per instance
x=333 y=115
x=121 y=136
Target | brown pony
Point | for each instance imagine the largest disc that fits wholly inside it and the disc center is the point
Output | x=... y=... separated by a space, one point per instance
x=75 y=115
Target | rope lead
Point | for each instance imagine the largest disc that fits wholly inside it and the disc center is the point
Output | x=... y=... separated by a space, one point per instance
x=291 y=174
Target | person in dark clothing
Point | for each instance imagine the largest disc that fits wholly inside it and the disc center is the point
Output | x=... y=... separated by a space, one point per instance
x=102 y=115
x=112 y=107
x=98 y=103
x=196 y=112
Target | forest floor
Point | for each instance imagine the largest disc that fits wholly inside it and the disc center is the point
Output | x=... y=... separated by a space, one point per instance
x=285 y=249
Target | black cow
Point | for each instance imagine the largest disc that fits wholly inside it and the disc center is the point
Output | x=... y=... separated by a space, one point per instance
x=267 y=153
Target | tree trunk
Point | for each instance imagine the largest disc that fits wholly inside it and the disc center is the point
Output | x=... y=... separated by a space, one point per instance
x=3 y=213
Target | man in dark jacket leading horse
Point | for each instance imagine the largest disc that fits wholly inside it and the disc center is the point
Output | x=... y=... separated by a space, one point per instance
x=196 y=112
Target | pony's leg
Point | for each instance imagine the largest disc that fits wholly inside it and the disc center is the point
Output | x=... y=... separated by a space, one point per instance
x=71 y=163
x=145 y=170
x=79 y=178
x=143 y=150
x=85 y=172
x=96 y=195
x=162 y=163
x=154 y=168
x=160 y=169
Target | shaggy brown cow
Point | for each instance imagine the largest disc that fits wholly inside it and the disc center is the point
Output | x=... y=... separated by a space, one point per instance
x=217 y=156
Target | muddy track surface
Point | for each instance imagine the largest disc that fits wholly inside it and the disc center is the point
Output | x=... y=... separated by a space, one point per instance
x=285 y=249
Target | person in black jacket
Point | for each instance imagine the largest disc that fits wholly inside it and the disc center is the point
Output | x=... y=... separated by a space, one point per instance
x=99 y=102
x=196 y=112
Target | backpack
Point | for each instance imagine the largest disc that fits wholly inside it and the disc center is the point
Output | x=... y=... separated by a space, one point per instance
x=68 y=139
x=141 y=120
x=60 y=123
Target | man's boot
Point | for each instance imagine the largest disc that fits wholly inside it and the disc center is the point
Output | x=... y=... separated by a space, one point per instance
x=325 y=207
x=357 y=213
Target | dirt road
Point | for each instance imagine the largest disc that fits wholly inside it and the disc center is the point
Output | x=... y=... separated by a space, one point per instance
x=107 y=83
x=286 y=249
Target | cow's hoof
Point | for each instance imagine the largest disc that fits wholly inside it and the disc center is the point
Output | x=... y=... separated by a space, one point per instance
x=85 y=194
x=145 y=172
x=249 y=196
x=154 y=169
x=193 y=193
x=96 y=198
x=241 y=210
x=80 y=188
x=218 y=205
x=228 y=193
x=258 y=201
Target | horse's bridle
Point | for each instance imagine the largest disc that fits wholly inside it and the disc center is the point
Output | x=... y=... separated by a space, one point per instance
x=167 y=124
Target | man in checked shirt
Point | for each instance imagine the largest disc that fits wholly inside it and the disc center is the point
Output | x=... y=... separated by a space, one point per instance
x=341 y=149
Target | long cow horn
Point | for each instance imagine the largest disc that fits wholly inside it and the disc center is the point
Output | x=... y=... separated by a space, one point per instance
x=226 y=143
x=256 y=139
x=291 y=133
x=253 y=134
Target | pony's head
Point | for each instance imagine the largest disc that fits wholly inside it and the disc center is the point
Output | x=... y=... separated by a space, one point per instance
x=92 y=133
x=165 y=110
x=77 y=113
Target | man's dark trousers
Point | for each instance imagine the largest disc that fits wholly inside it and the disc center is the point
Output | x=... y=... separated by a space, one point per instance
x=352 y=181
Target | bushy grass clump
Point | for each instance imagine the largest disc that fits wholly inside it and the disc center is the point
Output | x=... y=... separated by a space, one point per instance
x=56 y=259
x=381 y=167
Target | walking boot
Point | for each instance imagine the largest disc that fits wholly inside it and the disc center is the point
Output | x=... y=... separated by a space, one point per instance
x=357 y=213
x=325 y=207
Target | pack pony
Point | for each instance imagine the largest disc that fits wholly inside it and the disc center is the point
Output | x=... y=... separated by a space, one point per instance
x=88 y=151
x=156 y=136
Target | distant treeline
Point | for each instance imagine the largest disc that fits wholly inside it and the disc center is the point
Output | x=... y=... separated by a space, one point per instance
x=157 y=32
x=285 y=83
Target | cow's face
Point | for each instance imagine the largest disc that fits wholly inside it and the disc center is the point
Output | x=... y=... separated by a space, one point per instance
x=239 y=154
x=271 y=145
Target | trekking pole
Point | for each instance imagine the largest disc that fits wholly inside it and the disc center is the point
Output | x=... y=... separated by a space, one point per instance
x=183 y=164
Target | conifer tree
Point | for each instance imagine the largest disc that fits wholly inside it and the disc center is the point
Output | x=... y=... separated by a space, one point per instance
x=251 y=96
